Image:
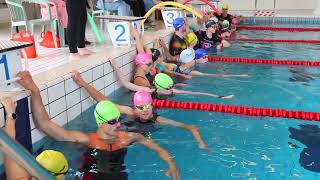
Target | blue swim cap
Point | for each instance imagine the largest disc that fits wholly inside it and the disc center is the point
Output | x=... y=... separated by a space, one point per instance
x=178 y=23
x=200 y=53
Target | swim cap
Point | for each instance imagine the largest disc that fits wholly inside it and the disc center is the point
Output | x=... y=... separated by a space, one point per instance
x=106 y=111
x=210 y=23
x=225 y=24
x=142 y=98
x=178 y=23
x=225 y=6
x=189 y=15
x=142 y=59
x=235 y=21
x=155 y=54
x=187 y=55
x=214 y=18
x=163 y=81
x=200 y=53
x=191 y=38
x=53 y=161
x=202 y=13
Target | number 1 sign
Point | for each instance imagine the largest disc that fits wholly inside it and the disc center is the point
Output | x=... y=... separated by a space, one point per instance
x=10 y=65
x=119 y=33
x=169 y=16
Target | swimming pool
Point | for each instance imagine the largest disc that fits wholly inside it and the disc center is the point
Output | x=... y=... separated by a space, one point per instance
x=278 y=35
x=242 y=147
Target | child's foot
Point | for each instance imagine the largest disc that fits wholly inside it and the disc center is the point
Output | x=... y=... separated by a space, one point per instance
x=84 y=51
x=74 y=56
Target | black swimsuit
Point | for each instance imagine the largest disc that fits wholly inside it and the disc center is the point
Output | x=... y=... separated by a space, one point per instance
x=145 y=128
x=104 y=165
x=148 y=76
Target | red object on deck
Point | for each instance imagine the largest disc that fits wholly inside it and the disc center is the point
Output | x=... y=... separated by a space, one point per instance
x=26 y=37
x=270 y=28
x=265 y=61
x=250 y=111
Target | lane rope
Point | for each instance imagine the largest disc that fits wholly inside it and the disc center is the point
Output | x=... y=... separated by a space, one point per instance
x=270 y=28
x=311 y=41
x=265 y=61
x=233 y=109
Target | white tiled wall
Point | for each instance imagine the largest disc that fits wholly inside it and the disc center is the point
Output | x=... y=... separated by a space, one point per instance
x=296 y=4
x=56 y=107
x=56 y=90
x=73 y=112
x=36 y=135
x=265 y=4
x=64 y=100
x=73 y=98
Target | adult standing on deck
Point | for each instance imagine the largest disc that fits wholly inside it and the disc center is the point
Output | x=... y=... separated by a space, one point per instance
x=77 y=19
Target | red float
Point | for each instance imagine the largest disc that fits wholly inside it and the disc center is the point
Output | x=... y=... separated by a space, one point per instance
x=250 y=111
x=208 y=3
x=311 y=41
x=265 y=61
x=270 y=28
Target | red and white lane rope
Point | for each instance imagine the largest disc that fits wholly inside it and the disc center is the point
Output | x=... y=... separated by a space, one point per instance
x=270 y=28
x=265 y=61
x=244 y=110
x=307 y=41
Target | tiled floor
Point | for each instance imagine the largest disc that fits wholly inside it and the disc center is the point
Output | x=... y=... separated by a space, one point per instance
x=51 y=58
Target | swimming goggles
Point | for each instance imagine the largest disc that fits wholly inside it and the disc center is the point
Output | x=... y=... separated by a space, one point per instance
x=114 y=121
x=216 y=26
x=143 y=107
x=111 y=122
x=168 y=88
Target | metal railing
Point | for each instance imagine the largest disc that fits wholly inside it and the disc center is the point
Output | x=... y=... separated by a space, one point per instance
x=20 y=155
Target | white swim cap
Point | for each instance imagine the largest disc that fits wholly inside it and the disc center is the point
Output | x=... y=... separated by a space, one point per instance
x=187 y=55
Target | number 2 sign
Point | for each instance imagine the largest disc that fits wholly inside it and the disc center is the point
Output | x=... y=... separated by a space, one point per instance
x=169 y=16
x=119 y=33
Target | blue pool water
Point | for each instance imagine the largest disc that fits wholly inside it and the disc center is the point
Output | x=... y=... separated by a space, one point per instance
x=278 y=35
x=292 y=51
x=242 y=147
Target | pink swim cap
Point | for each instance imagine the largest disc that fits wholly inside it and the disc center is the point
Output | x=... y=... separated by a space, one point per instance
x=202 y=12
x=143 y=59
x=142 y=98
x=235 y=21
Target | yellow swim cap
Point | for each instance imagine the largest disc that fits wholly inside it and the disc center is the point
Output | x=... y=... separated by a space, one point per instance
x=191 y=38
x=53 y=161
x=225 y=6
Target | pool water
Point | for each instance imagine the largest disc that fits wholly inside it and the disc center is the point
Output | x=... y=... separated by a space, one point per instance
x=294 y=51
x=278 y=35
x=242 y=147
